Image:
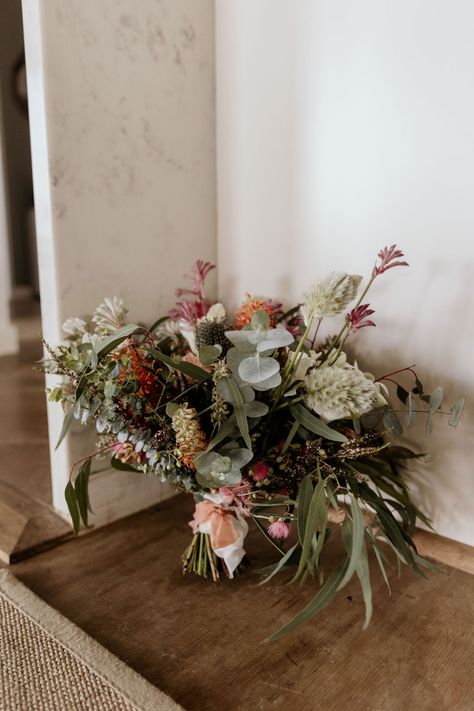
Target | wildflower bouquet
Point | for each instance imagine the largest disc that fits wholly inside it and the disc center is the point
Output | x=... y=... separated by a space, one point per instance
x=261 y=420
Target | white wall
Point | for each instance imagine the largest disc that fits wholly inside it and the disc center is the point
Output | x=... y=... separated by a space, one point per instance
x=8 y=332
x=344 y=126
x=122 y=127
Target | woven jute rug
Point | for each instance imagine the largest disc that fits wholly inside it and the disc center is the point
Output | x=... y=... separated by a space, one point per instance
x=49 y=664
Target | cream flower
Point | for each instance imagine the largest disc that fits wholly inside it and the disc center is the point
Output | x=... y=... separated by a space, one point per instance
x=109 y=316
x=330 y=296
x=74 y=328
x=339 y=391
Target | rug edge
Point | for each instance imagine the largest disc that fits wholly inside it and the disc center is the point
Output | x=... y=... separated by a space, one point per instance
x=113 y=670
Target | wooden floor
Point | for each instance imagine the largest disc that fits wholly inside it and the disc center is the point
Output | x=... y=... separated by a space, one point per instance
x=27 y=520
x=202 y=643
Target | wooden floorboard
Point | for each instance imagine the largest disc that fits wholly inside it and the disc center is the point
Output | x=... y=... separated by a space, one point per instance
x=202 y=642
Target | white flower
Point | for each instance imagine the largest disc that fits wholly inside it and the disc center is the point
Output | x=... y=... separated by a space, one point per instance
x=109 y=316
x=74 y=328
x=330 y=296
x=339 y=391
x=215 y=313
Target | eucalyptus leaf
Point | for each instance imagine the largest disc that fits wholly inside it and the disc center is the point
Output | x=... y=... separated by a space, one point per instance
x=209 y=354
x=429 y=424
x=275 y=338
x=214 y=470
x=370 y=420
x=240 y=456
x=402 y=394
x=260 y=321
x=234 y=357
x=456 y=412
x=256 y=369
x=243 y=340
x=269 y=383
x=410 y=416
x=256 y=409
x=436 y=399
x=392 y=423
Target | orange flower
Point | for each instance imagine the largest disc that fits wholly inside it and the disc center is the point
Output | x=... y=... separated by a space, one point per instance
x=251 y=305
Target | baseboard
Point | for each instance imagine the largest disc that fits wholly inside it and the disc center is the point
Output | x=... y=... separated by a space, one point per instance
x=445 y=550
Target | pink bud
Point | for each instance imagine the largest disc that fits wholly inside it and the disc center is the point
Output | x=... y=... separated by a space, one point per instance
x=279 y=529
x=260 y=471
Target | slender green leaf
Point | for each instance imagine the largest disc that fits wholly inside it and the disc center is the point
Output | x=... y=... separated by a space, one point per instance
x=123 y=466
x=269 y=538
x=292 y=560
x=356 y=533
x=318 y=603
x=304 y=501
x=314 y=424
x=280 y=565
x=71 y=501
x=107 y=345
x=291 y=435
x=239 y=409
x=224 y=430
x=397 y=452
x=316 y=521
x=81 y=487
x=363 y=573
x=67 y=422
x=381 y=565
x=428 y=564
x=157 y=323
x=189 y=369
x=395 y=535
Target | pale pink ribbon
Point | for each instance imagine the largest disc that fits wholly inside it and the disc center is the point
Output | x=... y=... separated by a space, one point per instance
x=222 y=530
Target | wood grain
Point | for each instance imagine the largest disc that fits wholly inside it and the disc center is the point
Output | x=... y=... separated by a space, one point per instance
x=202 y=642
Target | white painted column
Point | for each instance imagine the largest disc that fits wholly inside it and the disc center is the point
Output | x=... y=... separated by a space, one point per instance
x=8 y=332
x=344 y=126
x=121 y=101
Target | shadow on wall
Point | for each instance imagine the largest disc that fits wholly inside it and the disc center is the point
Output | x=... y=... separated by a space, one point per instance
x=404 y=335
